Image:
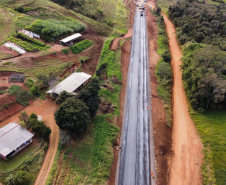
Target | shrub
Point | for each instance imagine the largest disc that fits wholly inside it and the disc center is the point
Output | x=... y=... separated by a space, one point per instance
x=14 y=89
x=27 y=38
x=30 y=47
x=65 y=51
x=23 y=97
x=77 y=48
x=29 y=82
x=54 y=28
x=35 y=90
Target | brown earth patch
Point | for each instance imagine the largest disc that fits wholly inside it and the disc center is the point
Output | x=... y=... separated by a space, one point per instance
x=162 y=133
x=7 y=51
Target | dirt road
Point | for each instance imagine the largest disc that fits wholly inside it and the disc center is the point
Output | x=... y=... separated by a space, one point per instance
x=46 y=109
x=187 y=146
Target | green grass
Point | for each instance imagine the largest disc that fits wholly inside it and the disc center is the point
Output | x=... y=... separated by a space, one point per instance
x=165 y=4
x=14 y=89
x=32 y=163
x=163 y=91
x=211 y=127
x=79 y=47
x=4 y=55
x=28 y=46
x=17 y=160
x=41 y=67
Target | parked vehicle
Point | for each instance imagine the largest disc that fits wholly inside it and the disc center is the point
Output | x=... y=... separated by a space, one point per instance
x=143 y=7
x=141 y=13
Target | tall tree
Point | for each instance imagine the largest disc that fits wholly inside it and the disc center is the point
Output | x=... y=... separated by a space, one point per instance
x=73 y=115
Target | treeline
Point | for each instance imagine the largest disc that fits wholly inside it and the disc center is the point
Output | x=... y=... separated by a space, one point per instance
x=202 y=30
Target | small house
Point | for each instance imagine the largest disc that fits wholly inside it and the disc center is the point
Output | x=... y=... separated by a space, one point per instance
x=13 y=138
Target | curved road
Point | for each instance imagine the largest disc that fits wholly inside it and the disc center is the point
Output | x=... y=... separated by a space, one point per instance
x=136 y=161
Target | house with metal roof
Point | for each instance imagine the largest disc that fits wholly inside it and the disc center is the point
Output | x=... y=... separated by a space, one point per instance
x=71 y=84
x=13 y=138
x=68 y=41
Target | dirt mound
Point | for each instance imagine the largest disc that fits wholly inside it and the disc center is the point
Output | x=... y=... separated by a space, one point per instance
x=3 y=88
x=115 y=80
x=108 y=87
x=106 y=107
x=8 y=107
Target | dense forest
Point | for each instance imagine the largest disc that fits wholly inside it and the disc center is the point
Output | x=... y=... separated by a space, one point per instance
x=201 y=28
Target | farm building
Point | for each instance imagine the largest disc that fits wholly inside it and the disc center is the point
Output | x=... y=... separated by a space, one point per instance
x=13 y=138
x=16 y=77
x=71 y=84
x=69 y=41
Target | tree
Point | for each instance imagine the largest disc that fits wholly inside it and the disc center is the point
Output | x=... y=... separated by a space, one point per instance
x=18 y=178
x=102 y=71
x=35 y=90
x=63 y=96
x=22 y=124
x=73 y=115
x=23 y=117
x=46 y=132
x=38 y=127
x=90 y=97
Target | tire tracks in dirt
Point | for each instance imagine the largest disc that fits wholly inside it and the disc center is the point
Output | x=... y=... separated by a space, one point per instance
x=187 y=146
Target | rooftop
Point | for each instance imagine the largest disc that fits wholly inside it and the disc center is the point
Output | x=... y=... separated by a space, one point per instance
x=70 y=38
x=71 y=83
x=11 y=137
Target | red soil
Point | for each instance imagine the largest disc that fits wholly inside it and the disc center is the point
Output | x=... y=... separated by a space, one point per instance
x=187 y=146
x=8 y=51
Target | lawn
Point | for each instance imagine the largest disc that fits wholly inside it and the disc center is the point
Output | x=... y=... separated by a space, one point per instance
x=17 y=160
x=211 y=127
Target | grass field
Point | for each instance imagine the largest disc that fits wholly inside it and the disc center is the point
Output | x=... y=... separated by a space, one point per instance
x=31 y=164
x=211 y=127
x=42 y=67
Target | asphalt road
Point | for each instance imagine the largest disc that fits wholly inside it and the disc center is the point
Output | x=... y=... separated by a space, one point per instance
x=136 y=159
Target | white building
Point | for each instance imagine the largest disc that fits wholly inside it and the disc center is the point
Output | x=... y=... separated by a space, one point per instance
x=68 y=41
x=13 y=138
x=71 y=84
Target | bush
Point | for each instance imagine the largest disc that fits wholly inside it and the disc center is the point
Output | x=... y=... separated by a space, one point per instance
x=167 y=56
x=30 y=47
x=29 y=82
x=13 y=89
x=65 y=51
x=77 y=48
x=35 y=90
x=54 y=28
x=23 y=98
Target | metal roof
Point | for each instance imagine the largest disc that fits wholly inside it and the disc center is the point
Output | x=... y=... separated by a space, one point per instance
x=11 y=137
x=71 y=83
x=70 y=38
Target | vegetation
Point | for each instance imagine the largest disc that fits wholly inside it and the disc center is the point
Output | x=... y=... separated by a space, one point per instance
x=90 y=97
x=23 y=97
x=163 y=70
x=63 y=96
x=77 y=48
x=29 y=39
x=13 y=89
x=102 y=71
x=18 y=178
x=28 y=46
x=211 y=126
x=204 y=65
x=65 y=51
x=73 y=115
x=54 y=28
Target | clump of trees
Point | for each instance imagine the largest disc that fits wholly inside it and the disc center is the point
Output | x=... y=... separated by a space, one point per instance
x=76 y=111
x=32 y=122
x=54 y=29
x=201 y=27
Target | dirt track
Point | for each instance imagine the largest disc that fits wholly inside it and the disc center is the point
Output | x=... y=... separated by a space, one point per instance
x=187 y=146
x=46 y=109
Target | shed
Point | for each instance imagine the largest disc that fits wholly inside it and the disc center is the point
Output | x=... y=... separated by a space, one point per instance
x=13 y=138
x=16 y=77
x=71 y=84
x=68 y=41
